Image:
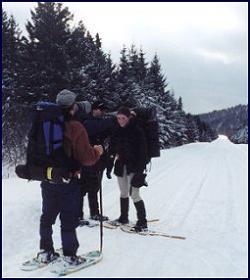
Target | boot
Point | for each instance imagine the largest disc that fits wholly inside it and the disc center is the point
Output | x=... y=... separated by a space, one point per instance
x=99 y=217
x=72 y=262
x=47 y=256
x=141 y=224
x=83 y=222
x=124 y=204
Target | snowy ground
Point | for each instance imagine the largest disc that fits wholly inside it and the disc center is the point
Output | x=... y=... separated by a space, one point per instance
x=197 y=190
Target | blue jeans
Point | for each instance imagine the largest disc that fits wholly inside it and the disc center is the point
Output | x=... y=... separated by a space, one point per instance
x=60 y=199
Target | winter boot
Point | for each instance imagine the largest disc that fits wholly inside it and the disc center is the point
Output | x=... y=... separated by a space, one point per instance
x=124 y=204
x=73 y=261
x=47 y=256
x=141 y=224
x=83 y=222
x=99 y=217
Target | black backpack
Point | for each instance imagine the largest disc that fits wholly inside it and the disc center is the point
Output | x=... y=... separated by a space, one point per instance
x=45 y=152
x=45 y=145
x=147 y=120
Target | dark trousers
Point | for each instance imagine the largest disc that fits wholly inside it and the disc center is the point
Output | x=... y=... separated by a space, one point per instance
x=90 y=185
x=63 y=200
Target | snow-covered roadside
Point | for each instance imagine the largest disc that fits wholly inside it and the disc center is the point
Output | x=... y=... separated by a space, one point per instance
x=198 y=190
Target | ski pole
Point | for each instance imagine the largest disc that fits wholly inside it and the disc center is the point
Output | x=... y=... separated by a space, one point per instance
x=101 y=212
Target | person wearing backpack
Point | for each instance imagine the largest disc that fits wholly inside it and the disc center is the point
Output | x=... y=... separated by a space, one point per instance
x=129 y=148
x=63 y=197
x=98 y=126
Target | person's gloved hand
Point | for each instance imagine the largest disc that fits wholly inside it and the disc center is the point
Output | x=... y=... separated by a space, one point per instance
x=138 y=180
x=109 y=165
x=108 y=174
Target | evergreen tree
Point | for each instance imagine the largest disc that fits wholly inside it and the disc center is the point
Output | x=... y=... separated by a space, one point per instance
x=11 y=51
x=135 y=85
x=124 y=80
x=192 y=128
x=98 y=73
x=206 y=133
x=123 y=72
x=172 y=121
x=111 y=97
x=12 y=129
x=79 y=48
x=98 y=42
x=48 y=32
x=155 y=80
x=180 y=105
x=131 y=78
x=133 y=62
x=142 y=67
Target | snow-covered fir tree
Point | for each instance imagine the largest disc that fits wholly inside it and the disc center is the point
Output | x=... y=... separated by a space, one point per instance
x=12 y=52
x=206 y=133
x=171 y=119
x=192 y=128
x=98 y=75
x=48 y=32
x=124 y=82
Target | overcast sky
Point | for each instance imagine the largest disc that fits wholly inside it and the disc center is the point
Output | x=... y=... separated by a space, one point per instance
x=202 y=46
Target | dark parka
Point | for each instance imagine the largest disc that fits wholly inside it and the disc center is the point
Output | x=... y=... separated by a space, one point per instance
x=129 y=145
x=99 y=130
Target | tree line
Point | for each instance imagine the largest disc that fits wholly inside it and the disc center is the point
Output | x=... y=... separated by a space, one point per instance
x=57 y=55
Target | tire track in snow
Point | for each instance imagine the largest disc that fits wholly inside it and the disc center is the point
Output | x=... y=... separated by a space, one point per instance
x=183 y=201
x=175 y=197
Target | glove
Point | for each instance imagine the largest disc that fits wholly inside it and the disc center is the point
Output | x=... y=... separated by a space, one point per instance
x=108 y=174
x=138 y=180
x=109 y=166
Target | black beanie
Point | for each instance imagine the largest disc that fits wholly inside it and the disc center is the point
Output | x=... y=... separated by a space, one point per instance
x=124 y=111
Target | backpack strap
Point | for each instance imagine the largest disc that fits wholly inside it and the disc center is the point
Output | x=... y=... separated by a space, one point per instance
x=47 y=136
x=56 y=136
x=51 y=137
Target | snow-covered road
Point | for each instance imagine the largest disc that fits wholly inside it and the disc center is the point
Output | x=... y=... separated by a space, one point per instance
x=198 y=191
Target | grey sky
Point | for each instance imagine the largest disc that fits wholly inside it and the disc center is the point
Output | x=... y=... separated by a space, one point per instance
x=203 y=47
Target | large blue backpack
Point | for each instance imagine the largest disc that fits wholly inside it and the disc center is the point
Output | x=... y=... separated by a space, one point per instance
x=45 y=145
x=46 y=158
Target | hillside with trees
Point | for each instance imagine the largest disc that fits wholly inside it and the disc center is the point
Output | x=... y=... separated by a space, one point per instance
x=232 y=122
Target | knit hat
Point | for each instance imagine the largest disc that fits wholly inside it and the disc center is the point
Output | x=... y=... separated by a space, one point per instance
x=85 y=106
x=65 y=98
x=124 y=111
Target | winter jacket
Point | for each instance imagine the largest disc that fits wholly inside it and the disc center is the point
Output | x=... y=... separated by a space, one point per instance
x=76 y=144
x=99 y=130
x=128 y=144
